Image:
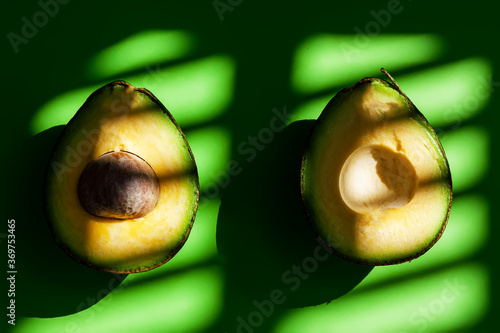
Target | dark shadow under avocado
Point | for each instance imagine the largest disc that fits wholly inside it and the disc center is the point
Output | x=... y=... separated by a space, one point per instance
x=269 y=250
x=48 y=282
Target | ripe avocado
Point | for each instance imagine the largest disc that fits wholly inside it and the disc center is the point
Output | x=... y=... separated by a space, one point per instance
x=375 y=180
x=121 y=188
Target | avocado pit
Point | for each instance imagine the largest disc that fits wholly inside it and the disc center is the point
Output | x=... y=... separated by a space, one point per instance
x=118 y=185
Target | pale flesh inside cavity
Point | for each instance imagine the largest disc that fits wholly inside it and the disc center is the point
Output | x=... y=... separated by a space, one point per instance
x=377 y=178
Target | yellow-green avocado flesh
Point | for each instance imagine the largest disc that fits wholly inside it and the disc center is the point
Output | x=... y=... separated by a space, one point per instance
x=375 y=180
x=121 y=122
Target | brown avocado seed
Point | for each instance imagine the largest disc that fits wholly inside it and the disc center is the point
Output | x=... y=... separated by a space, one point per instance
x=118 y=185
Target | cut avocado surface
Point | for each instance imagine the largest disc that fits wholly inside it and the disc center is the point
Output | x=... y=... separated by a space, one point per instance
x=375 y=180
x=121 y=189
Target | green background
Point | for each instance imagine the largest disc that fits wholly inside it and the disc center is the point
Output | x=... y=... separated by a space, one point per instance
x=226 y=74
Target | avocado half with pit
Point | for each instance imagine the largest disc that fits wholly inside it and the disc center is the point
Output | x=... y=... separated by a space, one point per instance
x=121 y=189
x=375 y=180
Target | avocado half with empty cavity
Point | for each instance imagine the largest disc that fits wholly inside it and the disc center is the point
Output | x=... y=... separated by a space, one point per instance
x=375 y=180
x=121 y=189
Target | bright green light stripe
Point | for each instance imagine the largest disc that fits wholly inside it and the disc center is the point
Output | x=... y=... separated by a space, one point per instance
x=325 y=61
x=444 y=301
x=193 y=92
x=446 y=95
x=451 y=93
x=310 y=109
x=138 y=51
x=462 y=238
x=467 y=152
x=211 y=148
x=59 y=110
x=186 y=303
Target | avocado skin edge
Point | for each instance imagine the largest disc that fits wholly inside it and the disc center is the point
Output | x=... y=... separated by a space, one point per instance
x=417 y=113
x=99 y=91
